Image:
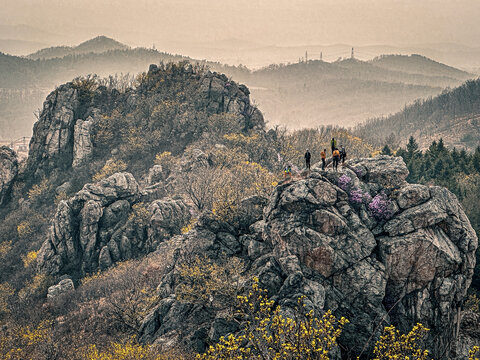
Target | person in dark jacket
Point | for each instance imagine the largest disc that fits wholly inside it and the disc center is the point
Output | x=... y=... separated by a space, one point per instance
x=333 y=144
x=343 y=154
x=308 y=156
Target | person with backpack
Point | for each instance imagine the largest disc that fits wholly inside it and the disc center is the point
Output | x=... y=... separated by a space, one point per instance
x=287 y=171
x=336 y=159
x=343 y=154
x=323 y=155
x=308 y=156
x=333 y=144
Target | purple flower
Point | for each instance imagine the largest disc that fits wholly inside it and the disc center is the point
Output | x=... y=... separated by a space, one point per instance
x=344 y=182
x=381 y=207
x=356 y=196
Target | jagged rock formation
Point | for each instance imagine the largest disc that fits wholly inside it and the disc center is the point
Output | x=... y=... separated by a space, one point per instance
x=62 y=137
x=8 y=171
x=361 y=242
x=104 y=223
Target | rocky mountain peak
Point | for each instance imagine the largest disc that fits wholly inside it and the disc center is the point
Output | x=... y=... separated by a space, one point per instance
x=63 y=135
x=361 y=242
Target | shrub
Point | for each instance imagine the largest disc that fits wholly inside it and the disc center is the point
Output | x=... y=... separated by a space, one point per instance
x=139 y=214
x=36 y=287
x=28 y=342
x=472 y=303
x=344 y=182
x=111 y=167
x=206 y=282
x=393 y=345
x=29 y=259
x=38 y=190
x=24 y=230
x=381 y=207
x=269 y=334
x=474 y=353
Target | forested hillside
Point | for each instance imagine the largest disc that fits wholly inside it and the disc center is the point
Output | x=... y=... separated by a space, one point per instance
x=454 y=116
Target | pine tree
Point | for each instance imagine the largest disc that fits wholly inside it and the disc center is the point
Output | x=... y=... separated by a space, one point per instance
x=412 y=148
x=386 y=151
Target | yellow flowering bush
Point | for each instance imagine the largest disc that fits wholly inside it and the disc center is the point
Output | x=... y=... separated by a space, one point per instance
x=474 y=353
x=245 y=179
x=38 y=190
x=29 y=259
x=111 y=167
x=5 y=248
x=189 y=226
x=393 y=345
x=139 y=214
x=28 y=342
x=269 y=334
x=24 y=229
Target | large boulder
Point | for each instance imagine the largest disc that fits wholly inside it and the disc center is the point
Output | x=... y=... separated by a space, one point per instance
x=361 y=242
x=8 y=172
x=63 y=287
x=105 y=223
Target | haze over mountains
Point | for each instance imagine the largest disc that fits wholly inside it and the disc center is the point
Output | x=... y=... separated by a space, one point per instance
x=307 y=93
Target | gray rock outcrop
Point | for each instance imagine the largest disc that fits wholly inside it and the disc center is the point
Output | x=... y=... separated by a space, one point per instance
x=105 y=223
x=8 y=172
x=361 y=242
x=82 y=142
x=63 y=287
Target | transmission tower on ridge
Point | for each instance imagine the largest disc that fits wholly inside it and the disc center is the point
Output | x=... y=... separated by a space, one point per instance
x=353 y=54
x=321 y=56
x=306 y=56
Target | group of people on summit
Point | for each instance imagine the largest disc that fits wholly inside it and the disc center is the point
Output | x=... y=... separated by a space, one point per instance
x=337 y=156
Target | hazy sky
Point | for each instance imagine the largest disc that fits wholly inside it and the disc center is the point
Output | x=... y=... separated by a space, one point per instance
x=279 y=22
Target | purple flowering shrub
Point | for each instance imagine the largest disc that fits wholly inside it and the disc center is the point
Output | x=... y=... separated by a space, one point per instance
x=344 y=182
x=357 y=197
x=381 y=207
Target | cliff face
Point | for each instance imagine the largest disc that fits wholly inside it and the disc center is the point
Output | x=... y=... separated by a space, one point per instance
x=8 y=172
x=361 y=242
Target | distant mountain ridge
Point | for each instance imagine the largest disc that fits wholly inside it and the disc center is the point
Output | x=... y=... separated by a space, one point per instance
x=423 y=65
x=98 y=44
x=310 y=93
x=347 y=91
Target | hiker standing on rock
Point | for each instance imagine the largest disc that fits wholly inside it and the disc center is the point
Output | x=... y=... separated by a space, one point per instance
x=287 y=172
x=308 y=156
x=323 y=155
x=343 y=154
x=333 y=143
x=336 y=159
